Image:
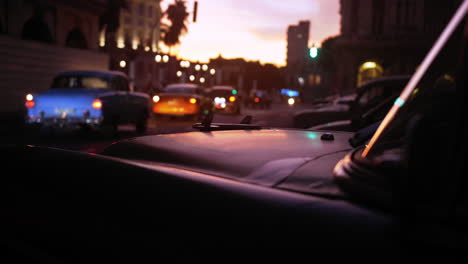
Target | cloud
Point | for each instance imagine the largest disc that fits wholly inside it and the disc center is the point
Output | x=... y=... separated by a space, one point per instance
x=269 y=33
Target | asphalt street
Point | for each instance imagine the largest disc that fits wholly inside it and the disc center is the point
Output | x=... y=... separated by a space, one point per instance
x=279 y=116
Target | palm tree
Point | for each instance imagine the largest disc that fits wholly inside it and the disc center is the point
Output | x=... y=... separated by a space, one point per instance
x=178 y=16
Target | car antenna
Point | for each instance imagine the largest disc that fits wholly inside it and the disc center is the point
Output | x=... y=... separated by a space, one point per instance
x=206 y=123
x=246 y=120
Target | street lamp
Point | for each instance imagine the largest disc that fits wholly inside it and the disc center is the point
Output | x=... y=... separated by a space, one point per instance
x=179 y=74
x=197 y=67
x=192 y=78
x=205 y=67
x=202 y=80
x=212 y=71
x=123 y=64
x=165 y=58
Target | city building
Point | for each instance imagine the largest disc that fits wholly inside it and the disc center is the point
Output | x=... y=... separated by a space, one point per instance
x=297 y=52
x=385 y=37
x=139 y=27
x=134 y=47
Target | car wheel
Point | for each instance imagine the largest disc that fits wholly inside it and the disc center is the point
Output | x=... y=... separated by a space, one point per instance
x=109 y=127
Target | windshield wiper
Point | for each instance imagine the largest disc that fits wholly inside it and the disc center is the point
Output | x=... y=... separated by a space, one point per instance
x=207 y=125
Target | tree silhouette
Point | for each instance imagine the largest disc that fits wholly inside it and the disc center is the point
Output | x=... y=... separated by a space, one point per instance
x=178 y=16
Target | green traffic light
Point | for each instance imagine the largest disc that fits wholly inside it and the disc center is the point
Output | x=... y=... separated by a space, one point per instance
x=234 y=92
x=313 y=52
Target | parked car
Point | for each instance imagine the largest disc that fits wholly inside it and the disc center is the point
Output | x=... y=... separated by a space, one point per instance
x=352 y=112
x=225 y=99
x=96 y=99
x=258 y=99
x=182 y=99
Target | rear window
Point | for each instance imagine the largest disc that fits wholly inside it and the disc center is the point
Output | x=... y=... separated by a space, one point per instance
x=80 y=82
x=181 y=90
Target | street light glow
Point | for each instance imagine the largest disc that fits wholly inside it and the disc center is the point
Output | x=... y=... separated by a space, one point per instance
x=192 y=78
x=179 y=74
x=369 y=65
x=157 y=58
x=185 y=64
x=197 y=67
x=123 y=64
x=202 y=80
x=212 y=71
x=165 y=58
x=205 y=67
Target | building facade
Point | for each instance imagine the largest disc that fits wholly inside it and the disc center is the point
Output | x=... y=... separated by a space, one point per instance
x=134 y=47
x=140 y=25
x=38 y=39
x=385 y=37
x=297 y=46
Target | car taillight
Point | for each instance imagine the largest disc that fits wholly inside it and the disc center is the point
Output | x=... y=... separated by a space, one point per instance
x=232 y=99
x=257 y=99
x=156 y=98
x=30 y=101
x=97 y=104
x=30 y=104
x=193 y=100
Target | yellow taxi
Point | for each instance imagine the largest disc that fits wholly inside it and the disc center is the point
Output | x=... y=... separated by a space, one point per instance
x=182 y=99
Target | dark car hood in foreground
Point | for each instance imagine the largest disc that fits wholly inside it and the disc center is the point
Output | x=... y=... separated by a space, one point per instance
x=290 y=159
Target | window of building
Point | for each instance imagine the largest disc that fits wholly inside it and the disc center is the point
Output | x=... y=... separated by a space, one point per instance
x=36 y=29
x=354 y=16
x=128 y=20
x=378 y=16
x=150 y=11
x=76 y=39
x=405 y=13
x=141 y=9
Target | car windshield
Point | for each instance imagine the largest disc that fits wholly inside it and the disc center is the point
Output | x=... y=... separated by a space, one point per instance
x=79 y=81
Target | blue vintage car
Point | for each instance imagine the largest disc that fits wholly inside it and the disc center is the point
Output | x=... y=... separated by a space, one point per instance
x=99 y=99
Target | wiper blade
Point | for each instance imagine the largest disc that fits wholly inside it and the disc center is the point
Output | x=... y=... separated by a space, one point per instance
x=207 y=125
x=225 y=126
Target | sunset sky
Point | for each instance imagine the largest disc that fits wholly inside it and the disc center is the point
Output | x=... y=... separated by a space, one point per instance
x=253 y=29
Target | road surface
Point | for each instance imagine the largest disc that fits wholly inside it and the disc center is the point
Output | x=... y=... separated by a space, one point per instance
x=279 y=116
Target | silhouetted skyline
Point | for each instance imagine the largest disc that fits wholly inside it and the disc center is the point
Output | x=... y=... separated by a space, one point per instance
x=253 y=29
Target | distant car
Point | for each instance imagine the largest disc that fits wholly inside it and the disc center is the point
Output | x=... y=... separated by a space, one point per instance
x=352 y=112
x=182 y=99
x=225 y=99
x=258 y=99
x=99 y=99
